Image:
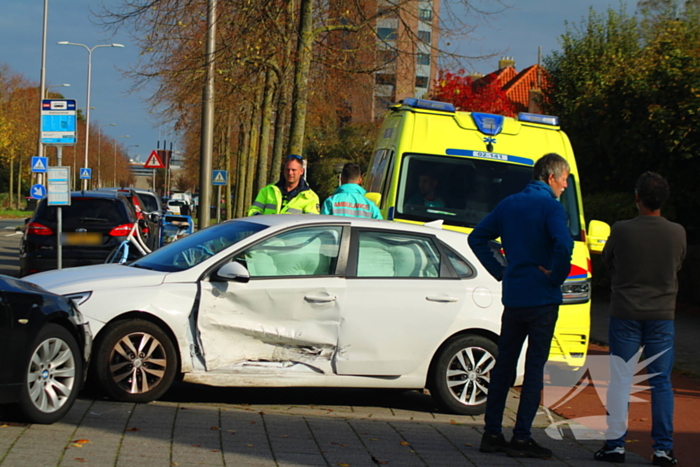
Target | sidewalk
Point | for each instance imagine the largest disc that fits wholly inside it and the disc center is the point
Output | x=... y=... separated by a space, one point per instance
x=104 y=433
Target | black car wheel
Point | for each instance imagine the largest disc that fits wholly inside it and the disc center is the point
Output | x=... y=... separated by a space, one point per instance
x=52 y=376
x=460 y=378
x=135 y=362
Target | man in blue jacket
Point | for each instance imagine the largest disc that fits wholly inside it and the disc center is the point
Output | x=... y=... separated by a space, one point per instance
x=349 y=199
x=533 y=229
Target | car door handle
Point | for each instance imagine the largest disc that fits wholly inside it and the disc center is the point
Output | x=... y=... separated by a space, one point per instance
x=320 y=298
x=441 y=299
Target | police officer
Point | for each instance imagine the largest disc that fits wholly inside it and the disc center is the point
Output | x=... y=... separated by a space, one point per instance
x=349 y=199
x=290 y=195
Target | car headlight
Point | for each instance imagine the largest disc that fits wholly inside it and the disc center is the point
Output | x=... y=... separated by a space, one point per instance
x=577 y=291
x=79 y=298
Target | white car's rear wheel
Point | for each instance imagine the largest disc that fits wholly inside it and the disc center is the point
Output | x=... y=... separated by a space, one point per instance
x=136 y=361
x=462 y=373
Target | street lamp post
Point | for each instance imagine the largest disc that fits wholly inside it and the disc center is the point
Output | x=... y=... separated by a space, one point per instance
x=99 y=152
x=54 y=86
x=114 y=180
x=87 y=104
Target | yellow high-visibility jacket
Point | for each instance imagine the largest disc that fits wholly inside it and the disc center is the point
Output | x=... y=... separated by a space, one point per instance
x=269 y=201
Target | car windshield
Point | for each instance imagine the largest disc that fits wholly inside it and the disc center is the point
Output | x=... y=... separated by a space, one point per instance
x=197 y=247
x=462 y=191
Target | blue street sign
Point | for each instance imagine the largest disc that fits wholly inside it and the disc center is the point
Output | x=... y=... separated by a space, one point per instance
x=38 y=191
x=59 y=122
x=219 y=177
x=85 y=174
x=39 y=164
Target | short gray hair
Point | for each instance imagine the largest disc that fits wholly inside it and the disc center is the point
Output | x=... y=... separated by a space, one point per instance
x=549 y=164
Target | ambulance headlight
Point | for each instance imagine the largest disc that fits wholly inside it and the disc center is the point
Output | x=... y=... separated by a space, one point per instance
x=576 y=291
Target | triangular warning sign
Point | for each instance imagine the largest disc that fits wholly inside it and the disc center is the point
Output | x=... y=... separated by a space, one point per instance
x=219 y=178
x=39 y=165
x=153 y=161
x=85 y=173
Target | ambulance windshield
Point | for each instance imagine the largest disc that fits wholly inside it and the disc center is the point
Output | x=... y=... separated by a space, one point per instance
x=462 y=191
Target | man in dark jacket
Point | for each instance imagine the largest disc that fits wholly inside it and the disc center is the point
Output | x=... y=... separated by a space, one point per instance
x=533 y=229
x=644 y=255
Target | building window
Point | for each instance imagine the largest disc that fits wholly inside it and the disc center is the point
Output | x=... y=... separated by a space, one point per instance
x=423 y=59
x=386 y=34
x=421 y=81
x=424 y=36
x=383 y=79
x=387 y=56
x=425 y=15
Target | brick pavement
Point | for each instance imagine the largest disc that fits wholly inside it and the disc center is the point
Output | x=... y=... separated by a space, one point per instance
x=106 y=433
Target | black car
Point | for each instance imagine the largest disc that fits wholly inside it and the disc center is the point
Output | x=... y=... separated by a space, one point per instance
x=44 y=349
x=93 y=225
x=149 y=211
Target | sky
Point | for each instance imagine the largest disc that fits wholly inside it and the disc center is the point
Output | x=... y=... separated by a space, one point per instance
x=517 y=32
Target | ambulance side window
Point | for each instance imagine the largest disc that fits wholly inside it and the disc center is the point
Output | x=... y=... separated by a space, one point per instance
x=379 y=175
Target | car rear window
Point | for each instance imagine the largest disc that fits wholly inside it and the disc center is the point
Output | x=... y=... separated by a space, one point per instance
x=86 y=210
x=150 y=203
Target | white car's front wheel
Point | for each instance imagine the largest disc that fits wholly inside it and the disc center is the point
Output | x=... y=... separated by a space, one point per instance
x=461 y=374
x=135 y=361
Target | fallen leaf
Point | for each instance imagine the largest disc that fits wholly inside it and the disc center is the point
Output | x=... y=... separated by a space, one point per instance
x=133 y=429
x=197 y=445
x=214 y=428
x=214 y=450
x=76 y=445
x=252 y=422
x=374 y=439
x=285 y=436
x=404 y=443
x=3 y=426
x=342 y=464
x=80 y=459
x=467 y=444
x=453 y=422
x=81 y=441
x=249 y=445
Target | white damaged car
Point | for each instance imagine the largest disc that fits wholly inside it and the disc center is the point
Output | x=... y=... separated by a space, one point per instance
x=294 y=301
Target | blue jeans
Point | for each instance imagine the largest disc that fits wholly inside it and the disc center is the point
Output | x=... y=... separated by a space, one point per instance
x=537 y=325
x=626 y=336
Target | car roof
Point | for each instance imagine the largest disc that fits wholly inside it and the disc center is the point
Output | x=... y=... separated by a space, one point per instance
x=96 y=194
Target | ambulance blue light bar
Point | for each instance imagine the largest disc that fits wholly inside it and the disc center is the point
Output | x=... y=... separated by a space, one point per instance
x=488 y=124
x=536 y=118
x=428 y=105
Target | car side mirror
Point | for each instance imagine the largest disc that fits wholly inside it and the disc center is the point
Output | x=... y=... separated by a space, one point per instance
x=233 y=271
x=376 y=198
x=598 y=233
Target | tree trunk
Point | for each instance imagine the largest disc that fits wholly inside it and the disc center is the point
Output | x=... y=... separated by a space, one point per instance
x=244 y=142
x=265 y=128
x=229 y=204
x=12 y=177
x=301 y=78
x=251 y=190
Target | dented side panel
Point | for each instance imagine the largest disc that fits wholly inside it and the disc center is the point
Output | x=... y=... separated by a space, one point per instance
x=270 y=323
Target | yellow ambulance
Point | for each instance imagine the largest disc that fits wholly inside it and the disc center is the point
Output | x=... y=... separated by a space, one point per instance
x=432 y=162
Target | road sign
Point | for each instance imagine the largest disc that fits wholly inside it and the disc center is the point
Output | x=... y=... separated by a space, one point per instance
x=58 y=122
x=219 y=177
x=153 y=161
x=39 y=164
x=38 y=191
x=85 y=173
x=59 y=186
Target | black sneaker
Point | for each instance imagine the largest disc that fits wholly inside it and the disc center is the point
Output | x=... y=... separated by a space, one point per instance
x=610 y=454
x=527 y=448
x=493 y=443
x=664 y=458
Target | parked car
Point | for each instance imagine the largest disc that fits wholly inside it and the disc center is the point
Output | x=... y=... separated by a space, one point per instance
x=93 y=225
x=149 y=219
x=178 y=207
x=295 y=301
x=44 y=349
